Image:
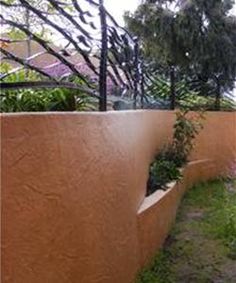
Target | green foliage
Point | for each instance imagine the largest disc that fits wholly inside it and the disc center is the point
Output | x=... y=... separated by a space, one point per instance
x=187 y=96
x=14 y=33
x=220 y=201
x=196 y=102
x=165 y=167
x=159 y=272
x=186 y=129
x=161 y=172
x=197 y=37
x=26 y=100
x=44 y=100
x=4 y=68
x=202 y=245
x=19 y=76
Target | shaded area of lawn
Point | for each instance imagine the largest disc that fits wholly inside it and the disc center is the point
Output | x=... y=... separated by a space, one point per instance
x=202 y=245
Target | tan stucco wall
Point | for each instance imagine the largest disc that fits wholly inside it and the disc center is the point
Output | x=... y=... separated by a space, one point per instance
x=73 y=192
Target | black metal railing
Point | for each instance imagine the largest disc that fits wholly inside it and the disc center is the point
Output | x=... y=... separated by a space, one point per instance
x=109 y=56
x=116 y=52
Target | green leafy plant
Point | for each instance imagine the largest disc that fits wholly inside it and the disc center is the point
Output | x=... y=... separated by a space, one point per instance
x=161 y=172
x=187 y=96
x=26 y=100
x=44 y=100
x=167 y=163
x=186 y=128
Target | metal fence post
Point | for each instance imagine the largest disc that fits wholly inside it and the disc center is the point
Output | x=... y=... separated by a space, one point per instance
x=142 y=85
x=136 y=67
x=103 y=60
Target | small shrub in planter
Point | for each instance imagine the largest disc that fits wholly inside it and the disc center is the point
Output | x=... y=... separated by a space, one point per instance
x=161 y=172
x=167 y=163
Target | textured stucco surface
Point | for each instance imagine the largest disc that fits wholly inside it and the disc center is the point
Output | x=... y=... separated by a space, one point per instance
x=73 y=191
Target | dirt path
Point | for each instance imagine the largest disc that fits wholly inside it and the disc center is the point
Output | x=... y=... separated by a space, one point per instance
x=202 y=245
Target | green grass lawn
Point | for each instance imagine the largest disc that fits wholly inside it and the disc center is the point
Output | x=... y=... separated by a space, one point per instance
x=201 y=247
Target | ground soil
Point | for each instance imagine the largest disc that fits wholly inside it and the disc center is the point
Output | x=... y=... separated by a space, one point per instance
x=199 y=257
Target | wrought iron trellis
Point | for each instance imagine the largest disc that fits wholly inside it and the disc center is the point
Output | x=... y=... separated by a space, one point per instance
x=117 y=52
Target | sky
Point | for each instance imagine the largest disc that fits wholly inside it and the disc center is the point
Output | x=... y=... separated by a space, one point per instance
x=118 y=7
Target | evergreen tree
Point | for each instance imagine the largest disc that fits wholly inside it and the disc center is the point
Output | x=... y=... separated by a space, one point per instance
x=195 y=37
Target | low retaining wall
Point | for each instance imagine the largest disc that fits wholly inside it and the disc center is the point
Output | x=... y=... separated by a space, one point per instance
x=73 y=191
x=158 y=211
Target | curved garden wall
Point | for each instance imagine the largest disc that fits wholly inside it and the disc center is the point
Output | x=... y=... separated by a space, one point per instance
x=73 y=191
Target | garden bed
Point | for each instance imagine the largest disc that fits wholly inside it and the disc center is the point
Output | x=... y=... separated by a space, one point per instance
x=202 y=245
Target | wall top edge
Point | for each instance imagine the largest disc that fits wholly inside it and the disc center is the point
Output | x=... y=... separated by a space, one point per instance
x=86 y=113
x=108 y=113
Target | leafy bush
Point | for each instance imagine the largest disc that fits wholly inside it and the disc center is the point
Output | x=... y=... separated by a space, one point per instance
x=186 y=128
x=162 y=171
x=187 y=96
x=57 y=99
x=166 y=165
x=196 y=102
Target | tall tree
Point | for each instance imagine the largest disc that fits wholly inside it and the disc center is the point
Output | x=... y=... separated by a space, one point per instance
x=195 y=37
